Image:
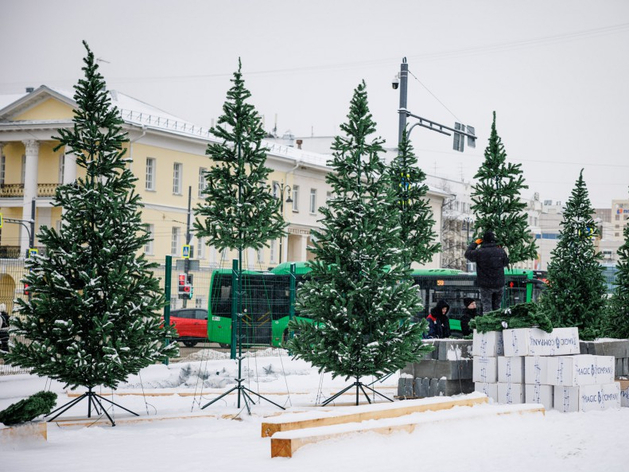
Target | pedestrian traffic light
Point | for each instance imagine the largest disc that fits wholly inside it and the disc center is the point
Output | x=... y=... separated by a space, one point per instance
x=184 y=286
x=183 y=281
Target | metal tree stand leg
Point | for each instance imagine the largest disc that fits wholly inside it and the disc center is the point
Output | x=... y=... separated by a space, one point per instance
x=237 y=309
x=360 y=387
x=244 y=391
x=92 y=399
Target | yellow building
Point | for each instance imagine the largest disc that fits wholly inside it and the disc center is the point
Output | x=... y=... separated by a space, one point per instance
x=168 y=158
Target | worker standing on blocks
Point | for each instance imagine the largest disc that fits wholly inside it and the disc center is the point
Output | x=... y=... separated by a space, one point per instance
x=491 y=259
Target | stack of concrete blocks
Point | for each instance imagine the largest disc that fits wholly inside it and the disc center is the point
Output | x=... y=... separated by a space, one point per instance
x=619 y=348
x=445 y=371
x=532 y=366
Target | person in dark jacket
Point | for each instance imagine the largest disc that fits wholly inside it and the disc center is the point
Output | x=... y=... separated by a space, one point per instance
x=4 y=328
x=491 y=260
x=438 y=321
x=469 y=313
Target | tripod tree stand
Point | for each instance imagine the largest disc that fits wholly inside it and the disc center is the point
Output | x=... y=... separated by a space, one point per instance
x=92 y=317
x=93 y=399
x=239 y=211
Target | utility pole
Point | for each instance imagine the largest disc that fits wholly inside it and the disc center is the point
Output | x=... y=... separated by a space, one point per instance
x=403 y=84
x=186 y=261
x=401 y=81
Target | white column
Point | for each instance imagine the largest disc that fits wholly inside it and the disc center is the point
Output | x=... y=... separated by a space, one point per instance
x=1 y=149
x=69 y=168
x=303 y=245
x=30 y=187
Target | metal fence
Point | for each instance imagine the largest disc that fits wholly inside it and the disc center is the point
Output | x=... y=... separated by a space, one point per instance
x=12 y=271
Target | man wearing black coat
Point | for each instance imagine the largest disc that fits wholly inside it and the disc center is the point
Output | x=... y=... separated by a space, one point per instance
x=491 y=260
x=469 y=313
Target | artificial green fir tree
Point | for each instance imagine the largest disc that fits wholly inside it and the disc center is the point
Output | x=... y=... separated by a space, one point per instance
x=239 y=211
x=496 y=201
x=415 y=215
x=616 y=320
x=93 y=317
x=359 y=294
x=576 y=290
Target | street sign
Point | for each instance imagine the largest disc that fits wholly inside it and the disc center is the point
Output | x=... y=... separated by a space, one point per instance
x=185 y=251
x=32 y=252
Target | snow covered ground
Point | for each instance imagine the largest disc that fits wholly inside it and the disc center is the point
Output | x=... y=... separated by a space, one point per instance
x=173 y=433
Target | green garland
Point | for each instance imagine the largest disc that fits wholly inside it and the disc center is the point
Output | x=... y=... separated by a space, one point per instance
x=524 y=315
x=25 y=410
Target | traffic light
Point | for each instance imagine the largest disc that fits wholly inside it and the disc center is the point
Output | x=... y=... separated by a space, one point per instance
x=183 y=281
x=184 y=286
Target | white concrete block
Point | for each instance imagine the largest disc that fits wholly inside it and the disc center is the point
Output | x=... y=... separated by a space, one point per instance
x=566 y=399
x=487 y=344
x=510 y=393
x=536 y=370
x=489 y=389
x=605 y=369
x=571 y=371
x=537 y=393
x=510 y=369
x=535 y=342
x=485 y=369
x=624 y=393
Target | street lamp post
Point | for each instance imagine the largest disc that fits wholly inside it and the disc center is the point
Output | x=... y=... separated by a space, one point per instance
x=282 y=187
x=460 y=130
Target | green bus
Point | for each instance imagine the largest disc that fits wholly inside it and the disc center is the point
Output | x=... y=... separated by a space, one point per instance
x=268 y=303
x=268 y=299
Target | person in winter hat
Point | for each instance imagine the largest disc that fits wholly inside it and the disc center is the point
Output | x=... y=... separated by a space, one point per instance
x=438 y=321
x=469 y=313
x=4 y=328
x=491 y=259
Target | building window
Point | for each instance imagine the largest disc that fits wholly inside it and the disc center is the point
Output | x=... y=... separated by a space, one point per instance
x=313 y=200
x=328 y=196
x=202 y=181
x=150 y=230
x=175 y=241
x=273 y=252
x=259 y=256
x=177 y=173
x=295 y=197
x=200 y=246
x=62 y=166
x=23 y=176
x=275 y=188
x=3 y=163
x=150 y=174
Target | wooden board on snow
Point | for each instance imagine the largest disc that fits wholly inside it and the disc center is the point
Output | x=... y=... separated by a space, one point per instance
x=354 y=414
x=284 y=444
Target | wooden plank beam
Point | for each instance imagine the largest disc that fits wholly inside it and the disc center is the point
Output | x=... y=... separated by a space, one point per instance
x=366 y=412
x=284 y=444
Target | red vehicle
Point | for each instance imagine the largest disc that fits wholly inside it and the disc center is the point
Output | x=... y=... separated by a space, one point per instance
x=191 y=325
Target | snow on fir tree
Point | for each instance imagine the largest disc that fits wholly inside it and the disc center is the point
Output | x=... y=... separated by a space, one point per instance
x=496 y=201
x=93 y=315
x=359 y=294
x=239 y=210
x=416 y=219
x=576 y=292
x=616 y=319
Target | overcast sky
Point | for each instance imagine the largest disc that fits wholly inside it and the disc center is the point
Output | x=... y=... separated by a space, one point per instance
x=555 y=71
